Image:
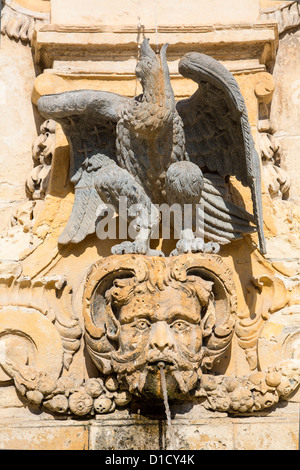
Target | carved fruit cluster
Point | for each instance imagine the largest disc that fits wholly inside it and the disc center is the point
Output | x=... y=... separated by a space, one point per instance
x=252 y=393
x=67 y=395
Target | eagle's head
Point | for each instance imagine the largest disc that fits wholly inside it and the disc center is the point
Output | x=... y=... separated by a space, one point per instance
x=152 y=69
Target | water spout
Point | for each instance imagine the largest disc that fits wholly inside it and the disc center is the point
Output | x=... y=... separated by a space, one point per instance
x=161 y=366
x=163 y=381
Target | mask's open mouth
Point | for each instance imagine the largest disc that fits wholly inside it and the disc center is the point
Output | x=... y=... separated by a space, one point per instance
x=165 y=363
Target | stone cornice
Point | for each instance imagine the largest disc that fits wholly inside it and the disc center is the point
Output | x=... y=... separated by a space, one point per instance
x=287 y=15
x=18 y=22
x=224 y=42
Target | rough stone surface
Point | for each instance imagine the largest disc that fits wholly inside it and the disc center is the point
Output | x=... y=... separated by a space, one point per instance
x=285 y=112
x=128 y=12
x=195 y=431
x=65 y=308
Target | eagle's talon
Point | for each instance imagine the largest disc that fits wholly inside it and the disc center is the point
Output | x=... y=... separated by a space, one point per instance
x=140 y=247
x=212 y=247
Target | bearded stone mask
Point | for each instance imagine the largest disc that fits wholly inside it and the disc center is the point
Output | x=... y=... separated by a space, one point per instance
x=145 y=313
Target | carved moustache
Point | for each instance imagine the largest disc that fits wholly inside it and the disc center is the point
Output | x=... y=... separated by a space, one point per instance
x=136 y=366
x=135 y=359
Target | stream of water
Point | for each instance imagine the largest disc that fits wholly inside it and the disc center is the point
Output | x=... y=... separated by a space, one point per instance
x=166 y=403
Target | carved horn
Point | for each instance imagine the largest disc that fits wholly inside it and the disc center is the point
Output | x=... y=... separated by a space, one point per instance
x=101 y=325
x=213 y=269
x=100 y=279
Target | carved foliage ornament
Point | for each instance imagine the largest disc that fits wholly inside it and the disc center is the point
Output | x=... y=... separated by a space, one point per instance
x=39 y=336
x=42 y=153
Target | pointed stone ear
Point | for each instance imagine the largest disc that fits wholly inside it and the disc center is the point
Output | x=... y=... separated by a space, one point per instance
x=209 y=319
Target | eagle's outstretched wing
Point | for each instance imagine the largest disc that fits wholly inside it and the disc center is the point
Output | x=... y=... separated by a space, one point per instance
x=88 y=119
x=217 y=130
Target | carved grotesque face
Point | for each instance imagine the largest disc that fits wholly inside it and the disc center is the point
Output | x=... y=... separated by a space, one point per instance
x=165 y=327
x=159 y=323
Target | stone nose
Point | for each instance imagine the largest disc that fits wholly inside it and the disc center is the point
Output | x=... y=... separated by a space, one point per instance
x=161 y=336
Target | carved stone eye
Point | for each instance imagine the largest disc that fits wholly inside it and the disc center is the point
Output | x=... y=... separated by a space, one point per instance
x=180 y=325
x=142 y=325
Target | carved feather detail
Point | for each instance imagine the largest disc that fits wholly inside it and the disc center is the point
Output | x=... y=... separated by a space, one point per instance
x=154 y=150
x=217 y=129
x=88 y=119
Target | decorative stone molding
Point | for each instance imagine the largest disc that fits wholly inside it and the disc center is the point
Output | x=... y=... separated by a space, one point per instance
x=287 y=15
x=29 y=339
x=18 y=22
x=64 y=48
x=42 y=153
x=39 y=335
x=277 y=181
x=266 y=294
x=35 y=364
x=49 y=295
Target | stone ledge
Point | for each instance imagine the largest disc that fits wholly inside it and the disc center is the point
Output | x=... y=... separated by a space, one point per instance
x=234 y=42
x=277 y=430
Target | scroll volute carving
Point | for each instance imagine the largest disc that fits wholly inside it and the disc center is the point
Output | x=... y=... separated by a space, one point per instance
x=264 y=87
x=266 y=294
x=141 y=312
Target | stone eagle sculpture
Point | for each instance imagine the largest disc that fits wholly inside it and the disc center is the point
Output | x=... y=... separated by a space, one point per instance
x=153 y=150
